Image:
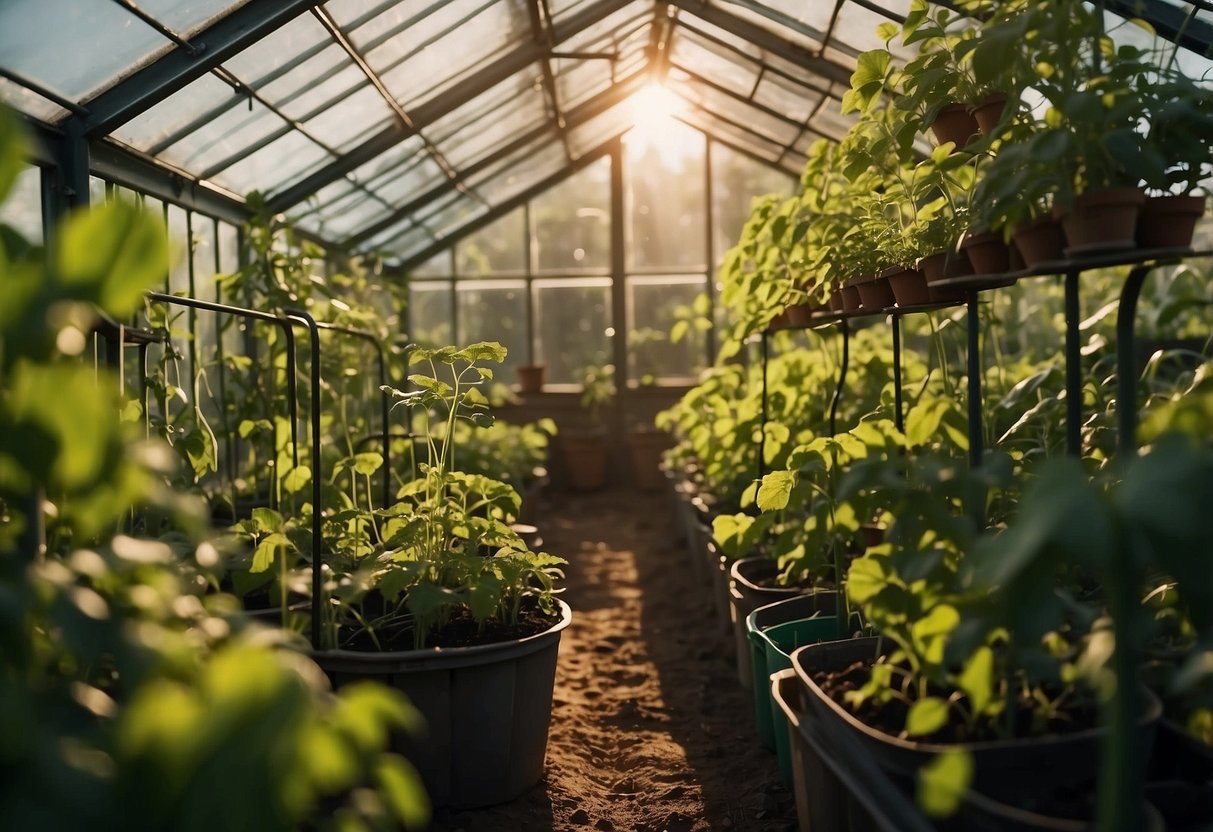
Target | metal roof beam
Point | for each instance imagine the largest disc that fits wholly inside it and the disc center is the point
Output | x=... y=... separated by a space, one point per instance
x=765 y=39
x=158 y=80
x=462 y=93
x=595 y=106
x=540 y=30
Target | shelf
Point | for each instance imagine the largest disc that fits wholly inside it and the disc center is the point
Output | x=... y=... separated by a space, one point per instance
x=823 y=319
x=1052 y=268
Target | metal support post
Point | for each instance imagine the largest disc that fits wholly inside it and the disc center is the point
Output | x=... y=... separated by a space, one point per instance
x=1126 y=361
x=898 y=415
x=1073 y=369
x=845 y=329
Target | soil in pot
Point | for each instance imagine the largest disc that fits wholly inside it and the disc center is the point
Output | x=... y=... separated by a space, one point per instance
x=1169 y=221
x=1101 y=220
x=1039 y=241
x=954 y=124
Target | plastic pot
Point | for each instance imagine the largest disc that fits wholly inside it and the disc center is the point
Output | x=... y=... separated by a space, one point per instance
x=530 y=378
x=745 y=596
x=1169 y=221
x=775 y=631
x=875 y=293
x=837 y=301
x=487 y=709
x=1015 y=772
x=909 y=287
x=988 y=112
x=718 y=572
x=850 y=299
x=1101 y=220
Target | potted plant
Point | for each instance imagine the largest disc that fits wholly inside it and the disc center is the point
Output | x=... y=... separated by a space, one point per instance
x=586 y=449
x=449 y=605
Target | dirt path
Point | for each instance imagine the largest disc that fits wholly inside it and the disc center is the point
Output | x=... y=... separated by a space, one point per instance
x=650 y=729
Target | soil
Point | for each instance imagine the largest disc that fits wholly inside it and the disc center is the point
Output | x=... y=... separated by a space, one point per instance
x=650 y=729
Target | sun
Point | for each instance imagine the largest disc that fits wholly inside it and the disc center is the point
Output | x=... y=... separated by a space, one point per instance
x=653 y=110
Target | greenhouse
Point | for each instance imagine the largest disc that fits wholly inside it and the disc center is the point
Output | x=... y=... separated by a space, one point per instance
x=601 y=414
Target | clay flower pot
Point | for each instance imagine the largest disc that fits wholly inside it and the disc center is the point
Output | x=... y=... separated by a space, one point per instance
x=837 y=300
x=780 y=321
x=1169 y=221
x=850 y=299
x=954 y=124
x=799 y=314
x=943 y=264
x=909 y=287
x=1039 y=241
x=988 y=253
x=988 y=112
x=875 y=293
x=1104 y=219
x=530 y=378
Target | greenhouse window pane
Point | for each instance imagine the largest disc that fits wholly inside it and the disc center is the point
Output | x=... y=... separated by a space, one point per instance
x=348 y=215
x=785 y=27
x=731 y=109
x=429 y=313
x=664 y=198
x=402 y=241
x=243 y=124
x=494 y=310
x=787 y=97
x=572 y=322
x=22 y=208
x=350 y=121
x=410 y=182
x=102 y=41
x=497 y=100
x=458 y=213
x=592 y=133
x=178 y=238
x=181 y=109
x=712 y=61
x=275 y=166
x=187 y=19
x=736 y=181
x=561 y=9
x=328 y=76
x=736 y=133
x=812 y=17
x=515 y=179
x=30 y=102
x=654 y=304
x=282 y=46
x=526 y=111
x=437 y=266
x=855 y=30
x=499 y=247
x=831 y=122
x=580 y=80
x=571 y=222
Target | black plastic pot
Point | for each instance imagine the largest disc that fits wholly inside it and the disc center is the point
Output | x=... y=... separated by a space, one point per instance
x=487 y=709
x=745 y=596
x=1015 y=772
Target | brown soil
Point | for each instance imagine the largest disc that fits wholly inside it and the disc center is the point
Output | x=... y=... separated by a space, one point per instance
x=650 y=728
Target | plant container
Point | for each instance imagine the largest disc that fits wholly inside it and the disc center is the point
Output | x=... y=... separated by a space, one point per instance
x=780 y=321
x=988 y=112
x=1101 y=220
x=530 y=378
x=1169 y=221
x=909 y=287
x=837 y=300
x=954 y=124
x=645 y=447
x=945 y=264
x=747 y=592
x=800 y=314
x=1180 y=778
x=1015 y=772
x=718 y=571
x=585 y=460
x=988 y=253
x=487 y=709
x=875 y=293
x=775 y=631
x=850 y=299
x=1039 y=241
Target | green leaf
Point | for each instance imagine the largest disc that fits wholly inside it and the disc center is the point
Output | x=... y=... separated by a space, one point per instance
x=267 y=550
x=266 y=520
x=368 y=463
x=943 y=782
x=297 y=479
x=977 y=679
x=13 y=153
x=403 y=791
x=775 y=490
x=111 y=255
x=926 y=716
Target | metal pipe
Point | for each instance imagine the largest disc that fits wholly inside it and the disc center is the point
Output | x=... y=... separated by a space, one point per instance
x=845 y=328
x=300 y=315
x=762 y=436
x=1126 y=361
x=973 y=320
x=1073 y=368
x=898 y=416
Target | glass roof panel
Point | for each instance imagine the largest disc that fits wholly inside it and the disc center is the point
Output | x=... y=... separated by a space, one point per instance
x=714 y=61
x=717 y=127
x=74 y=49
x=326 y=77
x=561 y=9
x=593 y=132
x=351 y=119
x=280 y=47
x=729 y=108
x=779 y=24
x=29 y=102
x=611 y=30
x=410 y=182
x=544 y=144
x=348 y=215
x=368 y=23
x=810 y=18
x=274 y=166
x=830 y=121
x=787 y=97
x=389 y=161
x=402 y=244
x=178 y=111
x=187 y=18
x=855 y=30
x=724 y=37
x=525 y=112
x=579 y=80
x=524 y=173
x=245 y=122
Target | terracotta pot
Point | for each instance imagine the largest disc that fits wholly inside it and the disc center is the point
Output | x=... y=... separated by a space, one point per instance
x=875 y=293
x=836 y=300
x=585 y=459
x=1104 y=219
x=799 y=314
x=988 y=253
x=954 y=124
x=1169 y=221
x=988 y=112
x=850 y=299
x=645 y=447
x=910 y=287
x=530 y=378
x=780 y=321
x=1039 y=241
x=944 y=264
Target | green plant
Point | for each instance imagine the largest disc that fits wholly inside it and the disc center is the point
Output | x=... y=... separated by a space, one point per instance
x=597 y=390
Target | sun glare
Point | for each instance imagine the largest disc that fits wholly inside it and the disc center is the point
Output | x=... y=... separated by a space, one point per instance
x=653 y=110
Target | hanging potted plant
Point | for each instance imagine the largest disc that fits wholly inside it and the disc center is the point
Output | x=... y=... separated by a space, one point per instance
x=447 y=604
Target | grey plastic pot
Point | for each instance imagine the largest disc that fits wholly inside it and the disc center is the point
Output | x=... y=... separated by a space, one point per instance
x=1012 y=772
x=745 y=596
x=487 y=709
